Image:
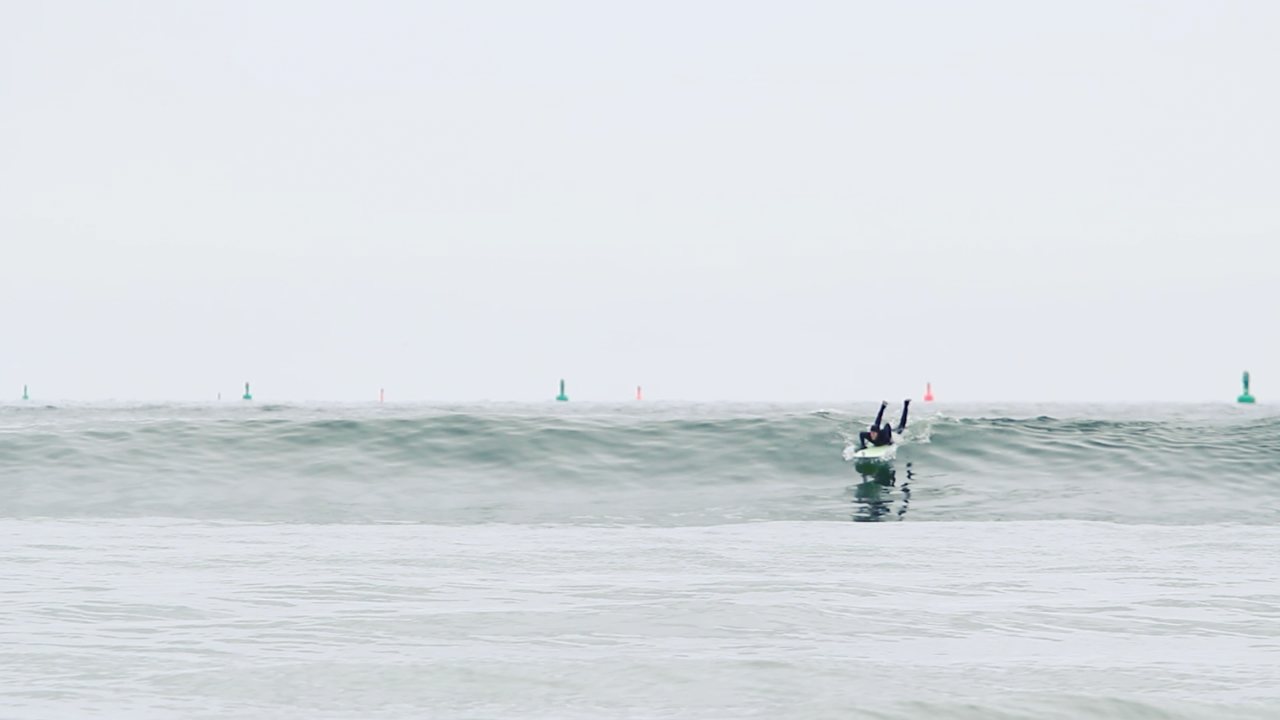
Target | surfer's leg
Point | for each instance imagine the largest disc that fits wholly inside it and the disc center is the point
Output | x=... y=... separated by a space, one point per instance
x=906 y=404
x=880 y=415
x=863 y=437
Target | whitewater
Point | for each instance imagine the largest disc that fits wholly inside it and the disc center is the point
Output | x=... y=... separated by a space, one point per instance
x=642 y=560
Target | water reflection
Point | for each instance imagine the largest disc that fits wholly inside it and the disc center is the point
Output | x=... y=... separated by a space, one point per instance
x=874 y=498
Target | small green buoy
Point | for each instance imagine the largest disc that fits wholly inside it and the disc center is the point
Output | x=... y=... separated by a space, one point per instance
x=24 y=393
x=562 y=397
x=247 y=396
x=1246 y=397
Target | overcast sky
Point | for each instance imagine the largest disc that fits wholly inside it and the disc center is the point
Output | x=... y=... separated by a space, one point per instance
x=715 y=200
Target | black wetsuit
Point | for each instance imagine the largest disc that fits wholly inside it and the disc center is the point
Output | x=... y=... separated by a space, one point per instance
x=884 y=434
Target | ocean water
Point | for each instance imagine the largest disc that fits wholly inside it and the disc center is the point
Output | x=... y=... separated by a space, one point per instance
x=646 y=560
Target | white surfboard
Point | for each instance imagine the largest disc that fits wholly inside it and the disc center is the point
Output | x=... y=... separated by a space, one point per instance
x=875 y=452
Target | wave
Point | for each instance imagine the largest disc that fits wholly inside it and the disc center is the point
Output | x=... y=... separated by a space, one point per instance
x=657 y=464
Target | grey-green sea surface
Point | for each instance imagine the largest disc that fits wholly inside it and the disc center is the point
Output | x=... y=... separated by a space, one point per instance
x=245 y=560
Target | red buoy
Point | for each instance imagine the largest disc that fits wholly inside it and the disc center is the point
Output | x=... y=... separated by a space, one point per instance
x=928 y=392
x=638 y=396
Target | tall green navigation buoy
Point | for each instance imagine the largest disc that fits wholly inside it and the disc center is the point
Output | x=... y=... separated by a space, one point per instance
x=562 y=397
x=24 y=393
x=247 y=396
x=1246 y=397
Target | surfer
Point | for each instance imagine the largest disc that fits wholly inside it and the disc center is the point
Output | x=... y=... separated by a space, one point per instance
x=883 y=435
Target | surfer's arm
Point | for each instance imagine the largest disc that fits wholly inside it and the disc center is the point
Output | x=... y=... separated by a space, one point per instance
x=905 y=405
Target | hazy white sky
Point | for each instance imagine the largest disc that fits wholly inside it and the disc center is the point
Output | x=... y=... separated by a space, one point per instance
x=717 y=201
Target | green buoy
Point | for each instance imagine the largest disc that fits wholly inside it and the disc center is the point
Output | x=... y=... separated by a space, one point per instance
x=1246 y=397
x=562 y=397
x=247 y=396
x=24 y=393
